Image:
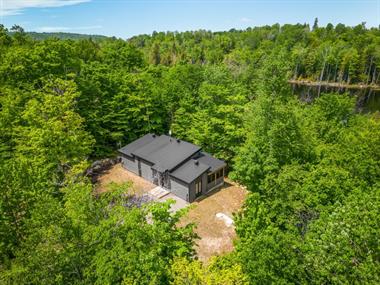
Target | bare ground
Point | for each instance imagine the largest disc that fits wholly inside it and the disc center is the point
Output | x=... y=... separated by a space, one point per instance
x=120 y=175
x=215 y=237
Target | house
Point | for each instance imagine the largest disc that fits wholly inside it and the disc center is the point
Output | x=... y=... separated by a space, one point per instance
x=179 y=166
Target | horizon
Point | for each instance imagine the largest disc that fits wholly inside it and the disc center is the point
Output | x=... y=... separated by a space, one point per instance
x=219 y=31
x=129 y=18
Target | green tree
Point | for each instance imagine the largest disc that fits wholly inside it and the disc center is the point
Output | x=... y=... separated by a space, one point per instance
x=315 y=25
x=212 y=119
x=343 y=245
x=109 y=239
x=219 y=270
x=43 y=138
x=51 y=133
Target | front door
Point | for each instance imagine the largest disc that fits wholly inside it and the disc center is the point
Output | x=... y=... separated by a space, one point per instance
x=155 y=176
x=198 y=188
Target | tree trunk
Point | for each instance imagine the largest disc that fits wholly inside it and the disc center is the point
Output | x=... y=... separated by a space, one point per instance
x=373 y=76
x=369 y=70
x=296 y=72
x=321 y=77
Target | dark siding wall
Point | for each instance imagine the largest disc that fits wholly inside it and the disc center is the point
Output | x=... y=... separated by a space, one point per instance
x=129 y=164
x=180 y=189
x=146 y=170
x=204 y=183
x=192 y=192
x=203 y=177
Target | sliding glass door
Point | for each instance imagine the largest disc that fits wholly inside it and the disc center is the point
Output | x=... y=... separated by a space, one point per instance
x=198 y=188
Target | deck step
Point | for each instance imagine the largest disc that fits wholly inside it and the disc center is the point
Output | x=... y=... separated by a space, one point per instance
x=159 y=192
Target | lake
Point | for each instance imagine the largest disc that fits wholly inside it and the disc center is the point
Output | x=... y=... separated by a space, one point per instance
x=367 y=99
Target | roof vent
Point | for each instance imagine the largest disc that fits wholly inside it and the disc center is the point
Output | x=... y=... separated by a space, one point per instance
x=178 y=140
x=196 y=162
x=154 y=135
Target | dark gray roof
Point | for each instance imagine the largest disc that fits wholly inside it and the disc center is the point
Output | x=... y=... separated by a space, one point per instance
x=166 y=152
x=133 y=146
x=211 y=161
x=190 y=171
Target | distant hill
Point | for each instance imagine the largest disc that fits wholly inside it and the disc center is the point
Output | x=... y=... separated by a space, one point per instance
x=64 y=36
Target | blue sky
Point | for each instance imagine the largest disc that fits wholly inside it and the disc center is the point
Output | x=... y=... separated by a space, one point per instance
x=126 y=18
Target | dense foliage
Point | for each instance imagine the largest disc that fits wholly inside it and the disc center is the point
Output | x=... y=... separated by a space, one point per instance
x=312 y=169
x=62 y=36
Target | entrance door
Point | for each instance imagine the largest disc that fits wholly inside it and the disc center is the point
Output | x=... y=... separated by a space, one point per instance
x=198 y=188
x=155 y=176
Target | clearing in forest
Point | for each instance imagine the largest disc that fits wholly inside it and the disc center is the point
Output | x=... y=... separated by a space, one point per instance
x=216 y=236
x=210 y=213
x=119 y=175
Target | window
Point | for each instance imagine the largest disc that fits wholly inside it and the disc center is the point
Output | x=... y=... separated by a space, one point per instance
x=211 y=178
x=198 y=188
x=219 y=173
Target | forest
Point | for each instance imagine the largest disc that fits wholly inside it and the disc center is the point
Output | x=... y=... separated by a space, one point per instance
x=312 y=168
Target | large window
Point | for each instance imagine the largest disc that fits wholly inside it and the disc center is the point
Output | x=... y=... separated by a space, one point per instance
x=219 y=173
x=211 y=178
x=198 y=188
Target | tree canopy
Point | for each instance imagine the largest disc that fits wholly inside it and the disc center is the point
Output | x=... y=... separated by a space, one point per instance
x=311 y=164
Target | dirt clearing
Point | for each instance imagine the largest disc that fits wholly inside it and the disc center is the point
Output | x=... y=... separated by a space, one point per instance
x=120 y=175
x=216 y=237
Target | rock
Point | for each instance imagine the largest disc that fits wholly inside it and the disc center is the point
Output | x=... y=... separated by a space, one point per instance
x=99 y=166
x=226 y=219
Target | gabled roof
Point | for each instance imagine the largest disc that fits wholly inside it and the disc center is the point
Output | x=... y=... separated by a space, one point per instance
x=133 y=146
x=166 y=152
x=190 y=171
x=211 y=161
x=183 y=160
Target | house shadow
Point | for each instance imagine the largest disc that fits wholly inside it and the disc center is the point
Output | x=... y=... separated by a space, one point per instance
x=213 y=192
